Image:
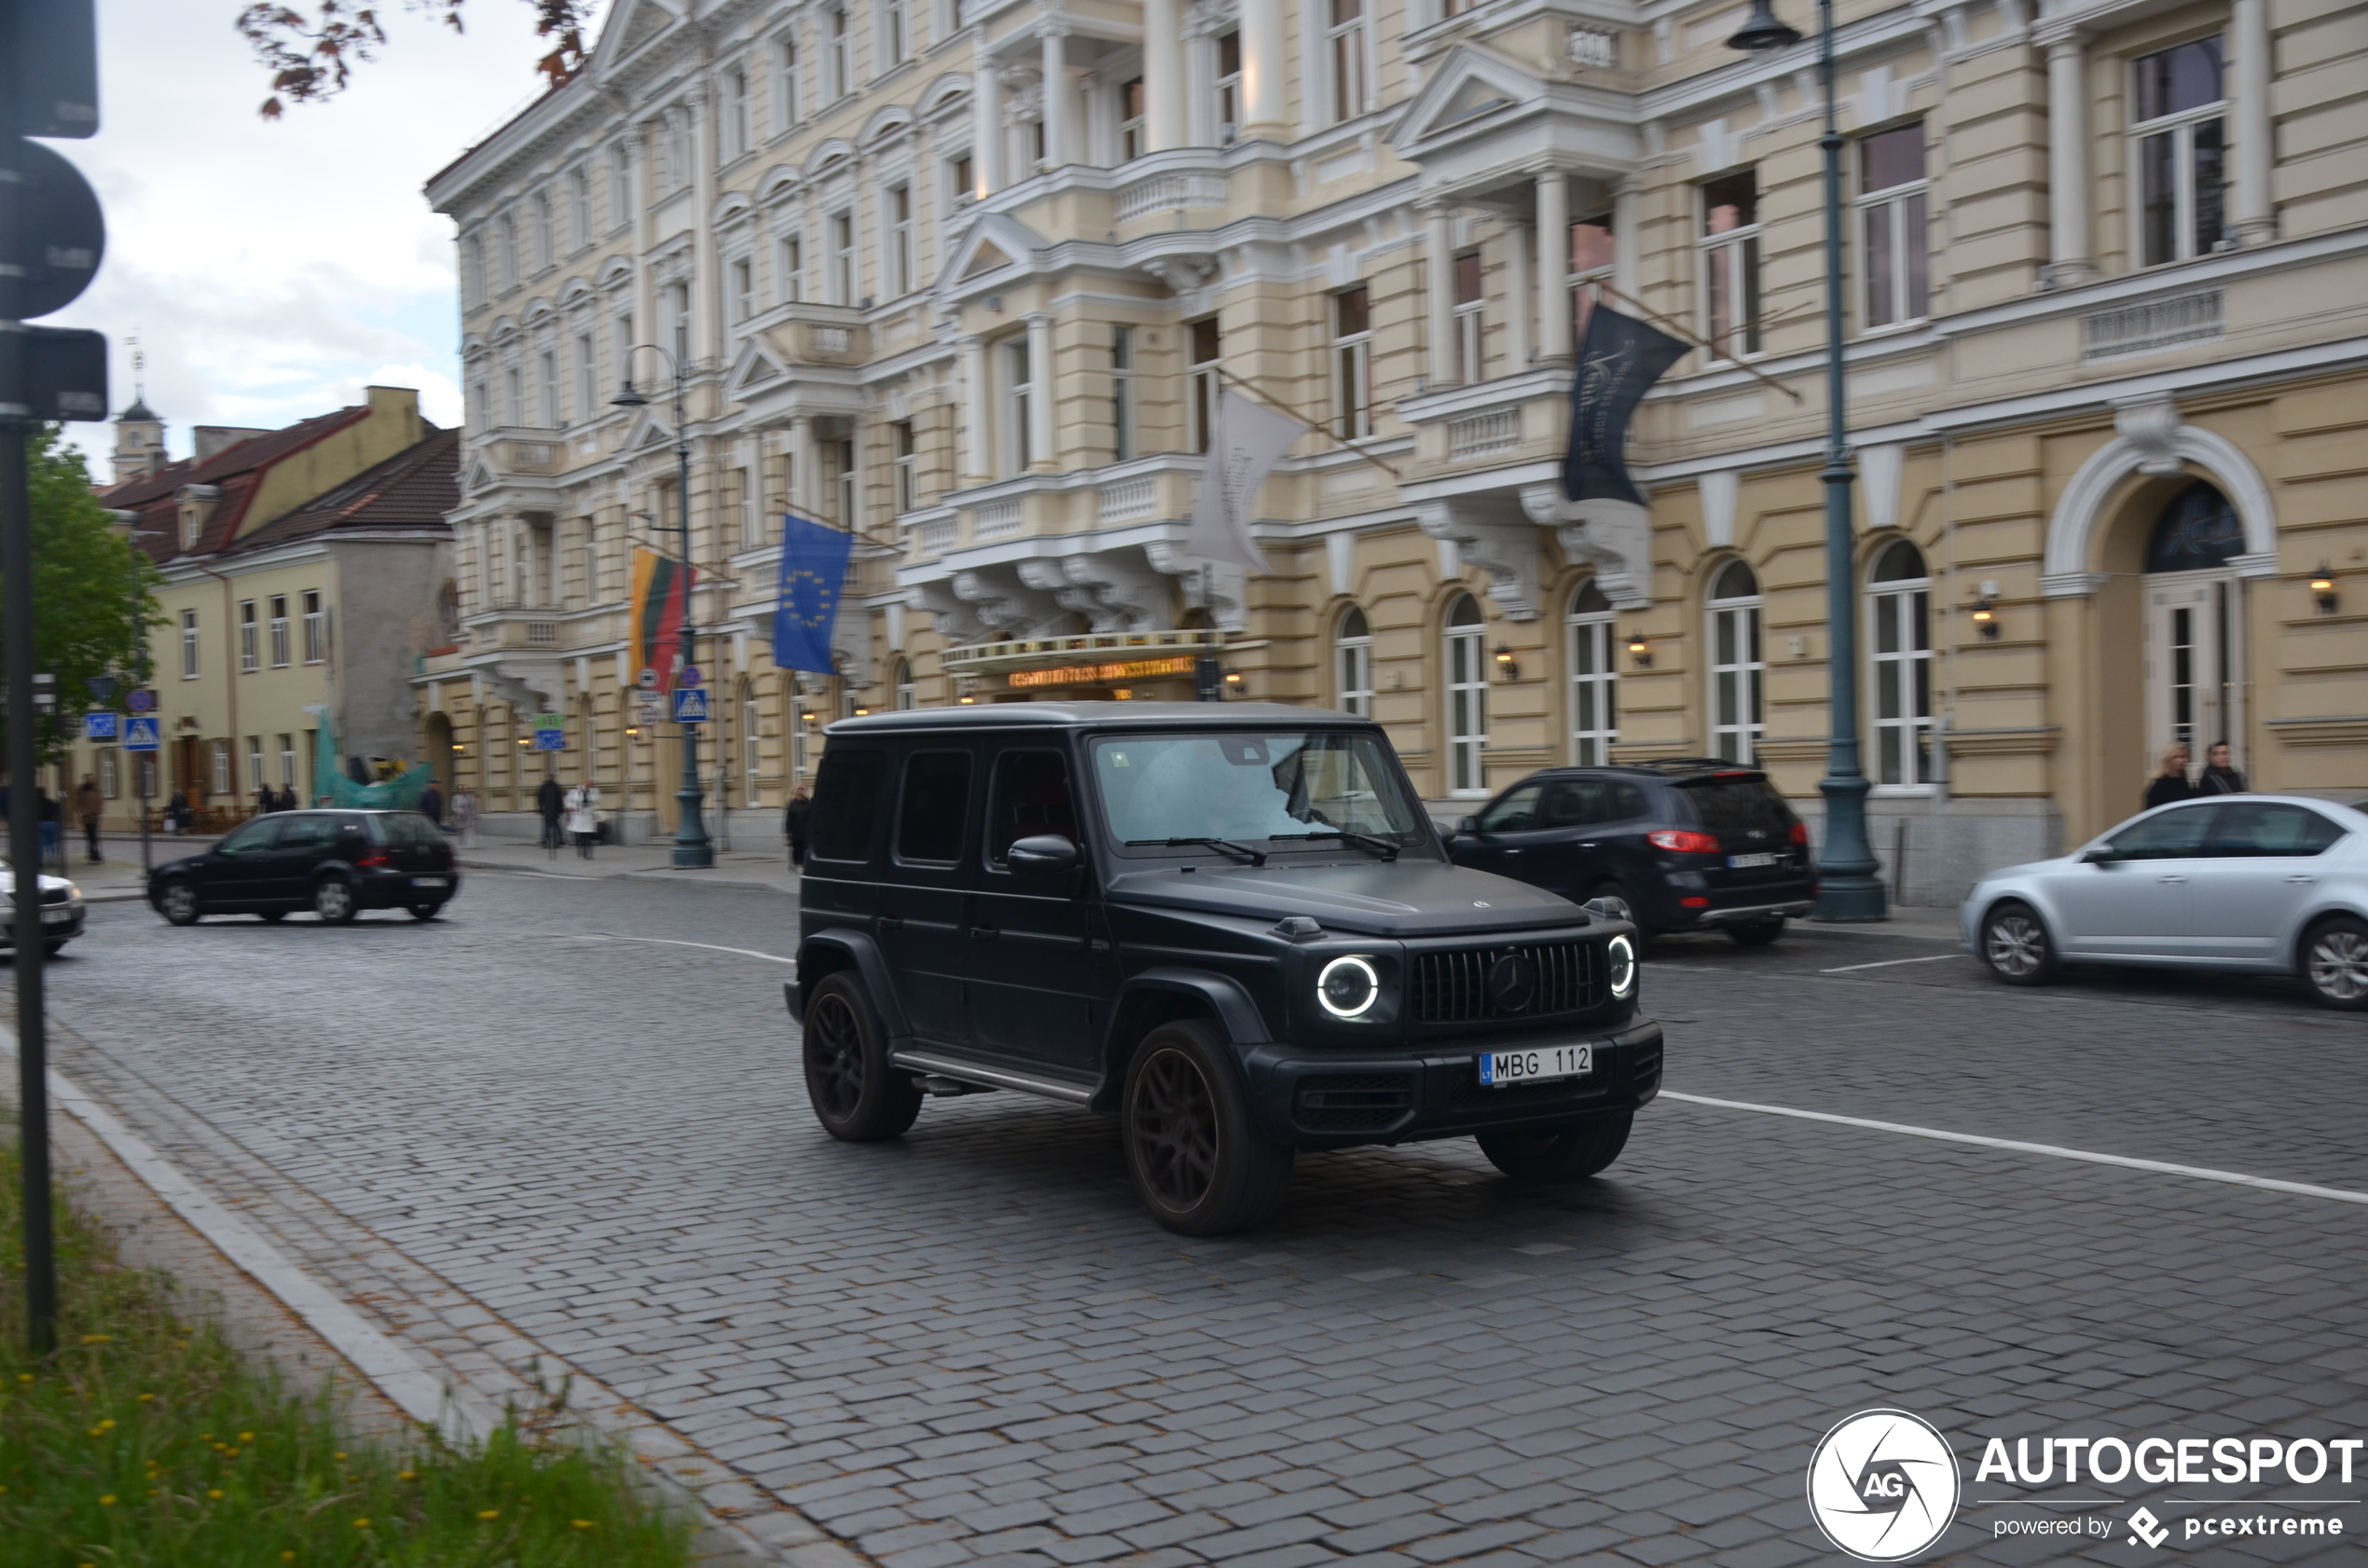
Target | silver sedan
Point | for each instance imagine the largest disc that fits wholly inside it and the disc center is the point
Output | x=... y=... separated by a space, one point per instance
x=2264 y=884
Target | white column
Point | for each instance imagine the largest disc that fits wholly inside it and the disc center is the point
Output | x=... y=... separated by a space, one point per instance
x=706 y=292
x=1264 y=68
x=977 y=436
x=2068 y=193
x=1553 y=267
x=1056 y=96
x=2253 y=213
x=1517 y=299
x=987 y=119
x=1039 y=403
x=1628 y=244
x=1438 y=285
x=1164 y=74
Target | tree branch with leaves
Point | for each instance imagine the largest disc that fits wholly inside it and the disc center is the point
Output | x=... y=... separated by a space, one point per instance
x=311 y=48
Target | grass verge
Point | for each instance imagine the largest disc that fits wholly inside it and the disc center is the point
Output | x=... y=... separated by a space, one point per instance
x=149 y=1440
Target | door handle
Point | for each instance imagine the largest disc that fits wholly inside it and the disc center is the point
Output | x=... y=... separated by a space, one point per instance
x=2171 y=879
x=2302 y=880
x=891 y=922
x=983 y=934
x=1588 y=846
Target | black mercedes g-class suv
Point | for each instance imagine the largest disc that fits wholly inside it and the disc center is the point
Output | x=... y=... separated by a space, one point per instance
x=1232 y=926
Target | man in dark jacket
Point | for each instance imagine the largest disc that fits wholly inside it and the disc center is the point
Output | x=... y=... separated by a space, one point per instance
x=552 y=801
x=2220 y=776
x=431 y=803
x=793 y=824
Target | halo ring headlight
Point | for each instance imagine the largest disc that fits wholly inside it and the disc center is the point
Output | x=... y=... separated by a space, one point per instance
x=1348 y=987
x=1620 y=955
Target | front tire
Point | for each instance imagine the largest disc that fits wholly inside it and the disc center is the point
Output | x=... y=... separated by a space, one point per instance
x=2015 y=946
x=1759 y=933
x=334 y=901
x=427 y=910
x=53 y=948
x=1556 y=1154
x=2335 y=962
x=1199 y=1163
x=177 y=901
x=856 y=1095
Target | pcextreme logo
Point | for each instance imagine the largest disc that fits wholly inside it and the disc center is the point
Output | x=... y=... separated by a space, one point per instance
x=1882 y=1485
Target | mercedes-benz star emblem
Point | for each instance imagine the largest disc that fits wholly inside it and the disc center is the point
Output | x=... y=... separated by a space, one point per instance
x=1510 y=982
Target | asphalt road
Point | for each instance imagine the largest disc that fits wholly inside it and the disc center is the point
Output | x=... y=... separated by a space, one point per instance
x=555 y=1124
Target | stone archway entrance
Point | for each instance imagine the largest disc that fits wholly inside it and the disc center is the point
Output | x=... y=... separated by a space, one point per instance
x=2193 y=631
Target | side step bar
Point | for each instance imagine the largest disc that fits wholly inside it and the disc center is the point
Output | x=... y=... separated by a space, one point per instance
x=992 y=1077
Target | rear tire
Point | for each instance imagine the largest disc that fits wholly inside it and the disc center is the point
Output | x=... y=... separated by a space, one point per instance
x=2335 y=962
x=271 y=917
x=1200 y=1164
x=428 y=911
x=1759 y=933
x=1552 y=1154
x=2015 y=946
x=857 y=1096
x=334 y=901
x=177 y=901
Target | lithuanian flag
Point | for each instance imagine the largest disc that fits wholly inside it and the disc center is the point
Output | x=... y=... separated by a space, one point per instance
x=661 y=599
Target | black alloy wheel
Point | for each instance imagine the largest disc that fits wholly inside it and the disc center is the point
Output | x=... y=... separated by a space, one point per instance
x=2016 y=946
x=1199 y=1163
x=1757 y=933
x=177 y=901
x=2335 y=962
x=856 y=1095
x=334 y=901
x=1552 y=1154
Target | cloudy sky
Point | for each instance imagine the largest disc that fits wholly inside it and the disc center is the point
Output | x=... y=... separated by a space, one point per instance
x=271 y=270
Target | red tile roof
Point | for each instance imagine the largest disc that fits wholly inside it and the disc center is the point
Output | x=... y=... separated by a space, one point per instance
x=412 y=490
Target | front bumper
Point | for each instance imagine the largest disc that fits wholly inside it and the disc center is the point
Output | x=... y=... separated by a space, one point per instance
x=1339 y=1102
x=59 y=923
x=1752 y=914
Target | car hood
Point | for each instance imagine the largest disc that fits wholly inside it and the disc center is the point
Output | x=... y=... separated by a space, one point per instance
x=2031 y=868
x=8 y=882
x=1396 y=899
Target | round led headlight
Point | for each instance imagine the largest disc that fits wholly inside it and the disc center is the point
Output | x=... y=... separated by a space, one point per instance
x=1621 y=955
x=1348 y=987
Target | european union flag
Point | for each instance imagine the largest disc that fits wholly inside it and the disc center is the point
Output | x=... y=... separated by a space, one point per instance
x=806 y=603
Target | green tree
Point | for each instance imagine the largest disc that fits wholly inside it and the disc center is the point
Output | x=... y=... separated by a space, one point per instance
x=310 y=49
x=85 y=578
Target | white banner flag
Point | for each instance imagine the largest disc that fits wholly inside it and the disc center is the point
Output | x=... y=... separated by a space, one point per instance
x=1249 y=439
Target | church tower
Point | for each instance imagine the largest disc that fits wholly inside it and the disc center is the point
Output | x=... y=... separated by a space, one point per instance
x=139 y=434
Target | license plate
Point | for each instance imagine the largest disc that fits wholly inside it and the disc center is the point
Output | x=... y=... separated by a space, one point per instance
x=1498 y=1068
x=1741 y=861
x=57 y=916
x=427 y=882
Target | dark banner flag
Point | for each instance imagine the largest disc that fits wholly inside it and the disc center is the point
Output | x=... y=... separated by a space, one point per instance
x=1619 y=358
x=806 y=603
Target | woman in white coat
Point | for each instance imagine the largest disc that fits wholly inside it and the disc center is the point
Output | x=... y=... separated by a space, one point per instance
x=584 y=817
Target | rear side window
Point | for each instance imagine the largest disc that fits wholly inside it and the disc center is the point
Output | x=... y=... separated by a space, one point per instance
x=2259 y=828
x=1573 y=803
x=407 y=829
x=1031 y=796
x=848 y=793
x=1627 y=801
x=1737 y=805
x=309 y=833
x=934 y=807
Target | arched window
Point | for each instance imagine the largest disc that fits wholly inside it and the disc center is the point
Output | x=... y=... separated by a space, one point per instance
x=1466 y=698
x=1737 y=669
x=1901 y=651
x=908 y=695
x=1354 y=660
x=1594 y=699
x=2198 y=530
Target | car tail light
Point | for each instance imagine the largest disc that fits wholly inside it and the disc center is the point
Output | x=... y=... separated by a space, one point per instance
x=1684 y=840
x=1693 y=903
x=373 y=862
x=1800 y=835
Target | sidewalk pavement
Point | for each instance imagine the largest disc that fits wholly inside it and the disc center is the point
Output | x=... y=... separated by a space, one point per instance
x=768 y=868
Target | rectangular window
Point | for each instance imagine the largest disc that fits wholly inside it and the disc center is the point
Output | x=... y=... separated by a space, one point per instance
x=1354 y=650
x=842 y=258
x=1467 y=709
x=1122 y=392
x=908 y=488
x=678 y=310
x=934 y=808
x=588 y=377
x=188 y=645
x=1903 y=682
x=1593 y=254
x=619 y=184
x=1470 y=308
x=110 y=778
x=316 y=629
x=541 y=208
x=1228 y=106
x=218 y=770
x=1020 y=380
x=847 y=801
x=1736 y=675
x=254 y=762
x=735 y=113
x=547 y=388
x=738 y=520
x=250 y=642
x=1892 y=205
x=1729 y=248
x=837 y=80
x=1594 y=689
x=287 y=761
x=1353 y=363
x=621 y=337
x=1203 y=382
x=743 y=289
x=2177 y=148
x=472 y=270
x=850 y=493
x=789 y=269
x=900 y=240
x=579 y=208
x=1346 y=39
x=785 y=94
x=513 y=397
x=505 y=250
x=893 y=32
x=1031 y=796
x=279 y=631
x=1132 y=143
x=961 y=175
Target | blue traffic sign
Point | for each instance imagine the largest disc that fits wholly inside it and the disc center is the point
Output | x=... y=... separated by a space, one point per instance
x=690 y=705
x=142 y=701
x=550 y=740
x=98 y=726
x=139 y=734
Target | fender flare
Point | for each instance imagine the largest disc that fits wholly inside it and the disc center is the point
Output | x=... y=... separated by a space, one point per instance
x=838 y=947
x=1220 y=997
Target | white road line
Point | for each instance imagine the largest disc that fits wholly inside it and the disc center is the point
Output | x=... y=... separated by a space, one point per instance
x=2199 y=1172
x=1887 y=963
x=668 y=942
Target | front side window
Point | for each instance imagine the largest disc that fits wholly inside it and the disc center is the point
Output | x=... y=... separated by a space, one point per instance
x=1345 y=39
x=1891 y=212
x=1730 y=249
x=1594 y=697
x=1516 y=812
x=1737 y=671
x=934 y=807
x=1252 y=788
x=1031 y=796
x=2177 y=834
x=252 y=838
x=1353 y=657
x=1899 y=601
x=1353 y=363
x=1470 y=301
x=1466 y=662
x=2178 y=150
x=1203 y=381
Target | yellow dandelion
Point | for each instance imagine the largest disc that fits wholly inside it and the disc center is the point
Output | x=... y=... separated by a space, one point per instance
x=145 y=1397
x=230 y=1453
x=96 y=1339
x=243 y=1438
x=24 y=1377
x=249 y=1436
x=405 y=1475
x=581 y=1523
x=215 y=1492
x=361 y=1524
x=488 y=1513
x=287 y=1557
x=107 y=1500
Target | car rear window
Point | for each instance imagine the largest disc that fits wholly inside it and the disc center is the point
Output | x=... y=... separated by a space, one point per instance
x=1736 y=806
x=847 y=794
x=407 y=829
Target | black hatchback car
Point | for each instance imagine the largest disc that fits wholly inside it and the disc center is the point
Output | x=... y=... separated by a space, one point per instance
x=334 y=863
x=1689 y=843
x=1231 y=926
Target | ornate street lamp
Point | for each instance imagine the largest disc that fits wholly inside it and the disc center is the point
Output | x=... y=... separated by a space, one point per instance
x=692 y=847
x=1848 y=885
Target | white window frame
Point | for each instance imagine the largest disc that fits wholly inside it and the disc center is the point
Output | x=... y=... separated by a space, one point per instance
x=844 y=279
x=904 y=451
x=2182 y=127
x=545 y=248
x=1205 y=386
x=1133 y=129
x=1225 y=88
x=472 y=270
x=1581 y=281
x=896 y=35
x=677 y=296
x=1737 y=740
x=784 y=82
x=1901 y=603
x=546 y=388
x=587 y=375
x=908 y=691
x=619 y=184
x=1741 y=247
x=1019 y=381
x=1352 y=370
x=751 y=759
x=850 y=486
x=1471 y=320
x=1593 y=653
x=505 y=247
x=250 y=637
x=279 y=624
x=1348 y=61
x=896 y=208
x=513 y=396
x=742 y=272
x=789 y=269
x=218 y=767
x=1353 y=662
x=1123 y=392
x=255 y=762
x=110 y=774
x=961 y=178
x=838 y=78
x=736 y=138
x=1902 y=214
x=316 y=629
x=579 y=208
x=1464 y=667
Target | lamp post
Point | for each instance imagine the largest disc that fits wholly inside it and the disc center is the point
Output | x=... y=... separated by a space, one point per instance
x=692 y=847
x=1848 y=885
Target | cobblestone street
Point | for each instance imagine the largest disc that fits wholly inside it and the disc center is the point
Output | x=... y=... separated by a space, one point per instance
x=566 y=1123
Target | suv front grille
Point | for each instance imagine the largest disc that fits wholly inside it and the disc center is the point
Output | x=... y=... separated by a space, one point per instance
x=1452 y=987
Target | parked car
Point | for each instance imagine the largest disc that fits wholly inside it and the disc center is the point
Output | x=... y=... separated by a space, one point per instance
x=2266 y=884
x=61 y=910
x=1687 y=843
x=334 y=863
x=1232 y=928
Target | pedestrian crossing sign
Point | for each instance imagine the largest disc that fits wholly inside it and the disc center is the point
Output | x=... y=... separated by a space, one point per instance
x=690 y=705
x=140 y=733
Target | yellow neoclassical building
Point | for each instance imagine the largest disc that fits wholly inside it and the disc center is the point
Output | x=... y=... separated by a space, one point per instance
x=967 y=279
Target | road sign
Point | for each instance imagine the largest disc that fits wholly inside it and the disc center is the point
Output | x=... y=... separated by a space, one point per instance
x=690 y=677
x=60 y=234
x=56 y=69
x=650 y=712
x=98 y=726
x=65 y=373
x=647 y=681
x=550 y=740
x=142 y=701
x=690 y=705
x=139 y=734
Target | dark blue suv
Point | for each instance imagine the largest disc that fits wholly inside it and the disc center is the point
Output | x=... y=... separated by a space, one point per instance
x=1690 y=843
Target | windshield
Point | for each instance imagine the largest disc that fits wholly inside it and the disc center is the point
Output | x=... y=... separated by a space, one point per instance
x=1251 y=786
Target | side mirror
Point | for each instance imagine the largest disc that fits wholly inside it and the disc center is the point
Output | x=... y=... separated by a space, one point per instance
x=1609 y=908
x=1468 y=824
x=2102 y=855
x=1042 y=855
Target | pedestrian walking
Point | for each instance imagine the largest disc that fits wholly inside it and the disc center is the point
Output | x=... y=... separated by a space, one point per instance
x=793 y=824
x=53 y=851
x=2170 y=785
x=2220 y=776
x=431 y=803
x=176 y=812
x=464 y=816
x=89 y=806
x=552 y=801
x=584 y=817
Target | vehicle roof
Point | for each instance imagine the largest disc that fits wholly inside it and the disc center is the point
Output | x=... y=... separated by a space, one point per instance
x=1099 y=715
x=1666 y=768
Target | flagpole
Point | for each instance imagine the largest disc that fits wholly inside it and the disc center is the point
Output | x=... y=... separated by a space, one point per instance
x=1256 y=397
x=1691 y=336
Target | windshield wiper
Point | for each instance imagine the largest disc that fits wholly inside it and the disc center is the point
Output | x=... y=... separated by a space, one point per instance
x=1387 y=851
x=1256 y=857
